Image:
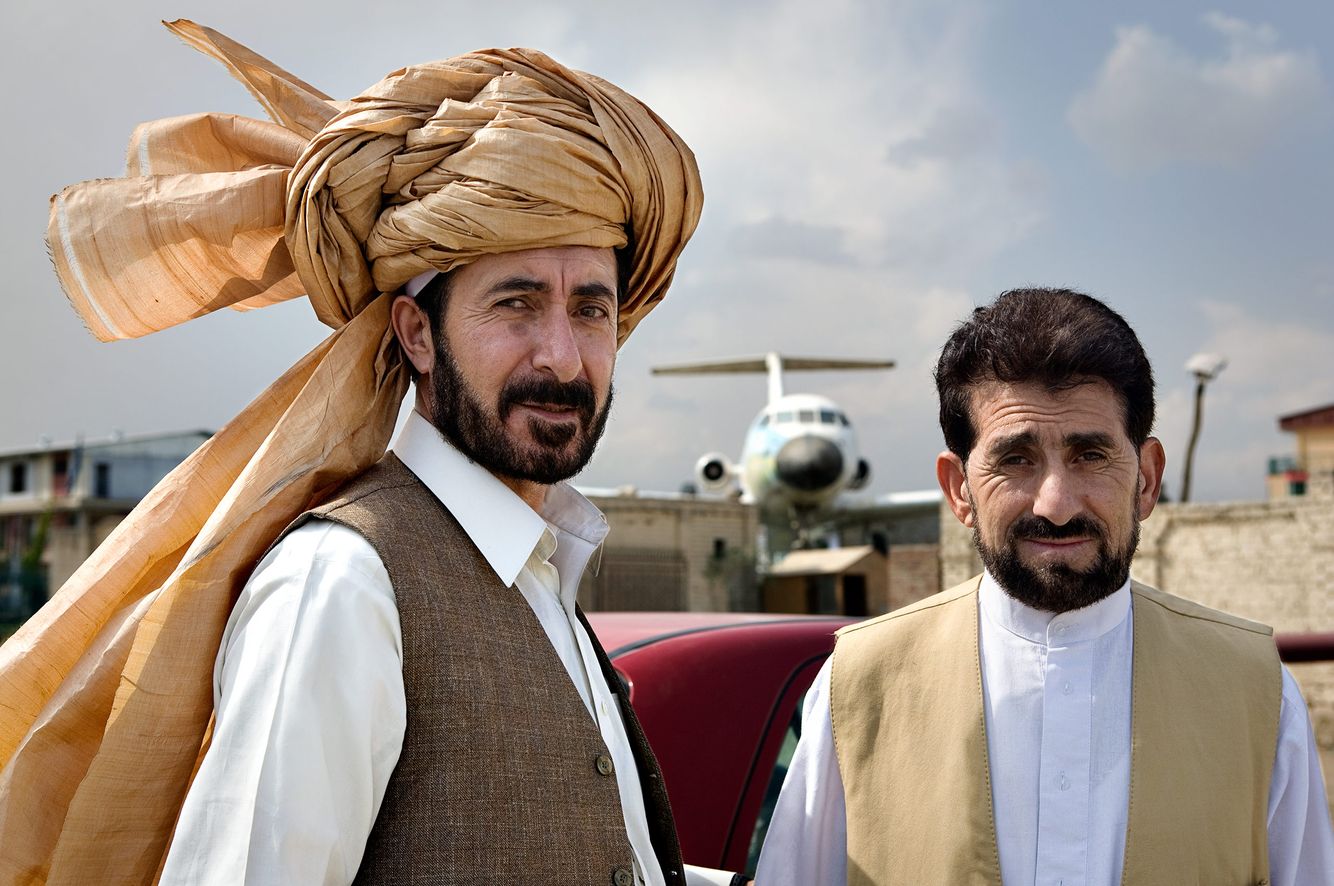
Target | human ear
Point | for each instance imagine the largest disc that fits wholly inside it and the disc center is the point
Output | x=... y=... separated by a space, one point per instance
x=953 y=478
x=412 y=327
x=1152 y=460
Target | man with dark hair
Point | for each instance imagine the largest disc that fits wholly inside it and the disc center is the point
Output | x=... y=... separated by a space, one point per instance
x=1052 y=720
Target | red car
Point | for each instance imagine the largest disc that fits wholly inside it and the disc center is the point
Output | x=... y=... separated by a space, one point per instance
x=719 y=695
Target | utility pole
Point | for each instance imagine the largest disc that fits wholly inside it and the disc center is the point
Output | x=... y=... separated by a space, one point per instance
x=1205 y=368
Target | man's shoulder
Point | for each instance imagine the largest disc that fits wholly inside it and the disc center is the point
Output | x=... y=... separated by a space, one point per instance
x=323 y=570
x=386 y=475
x=1143 y=594
x=320 y=541
x=959 y=595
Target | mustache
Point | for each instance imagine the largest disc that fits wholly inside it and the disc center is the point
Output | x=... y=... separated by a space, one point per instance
x=1035 y=527
x=577 y=394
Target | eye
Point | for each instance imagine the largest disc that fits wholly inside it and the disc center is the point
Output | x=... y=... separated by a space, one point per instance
x=1092 y=455
x=594 y=311
x=513 y=302
x=1014 y=460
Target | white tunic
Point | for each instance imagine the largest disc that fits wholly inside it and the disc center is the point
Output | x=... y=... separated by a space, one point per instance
x=1056 y=697
x=308 y=684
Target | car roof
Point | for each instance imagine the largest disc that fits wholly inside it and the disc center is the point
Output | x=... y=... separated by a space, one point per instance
x=620 y=632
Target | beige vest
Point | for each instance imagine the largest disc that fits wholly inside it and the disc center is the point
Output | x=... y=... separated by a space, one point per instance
x=503 y=776
x=906 y=704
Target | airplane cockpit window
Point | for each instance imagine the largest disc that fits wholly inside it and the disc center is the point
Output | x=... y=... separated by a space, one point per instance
x=764 y=420
x=827 y=417
x=786 y=417
x=843 y=420
x=806 y=415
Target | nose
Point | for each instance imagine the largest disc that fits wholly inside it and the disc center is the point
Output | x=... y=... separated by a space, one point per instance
x=557 y=350
x=1057 y=497
x=809 y=463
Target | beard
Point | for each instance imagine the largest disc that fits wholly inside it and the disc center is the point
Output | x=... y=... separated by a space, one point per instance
x=1056 y=587
x=558 y=451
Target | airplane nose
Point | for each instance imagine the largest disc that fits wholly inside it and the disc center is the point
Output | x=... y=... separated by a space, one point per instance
x=809 y=463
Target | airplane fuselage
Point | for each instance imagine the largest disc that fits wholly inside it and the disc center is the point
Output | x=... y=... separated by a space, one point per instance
x=799 y=453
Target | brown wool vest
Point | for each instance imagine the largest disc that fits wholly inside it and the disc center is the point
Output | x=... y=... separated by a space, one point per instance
x=501 y=777
x=906 y=704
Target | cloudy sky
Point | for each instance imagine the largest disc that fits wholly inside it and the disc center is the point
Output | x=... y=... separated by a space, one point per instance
x=872 y=170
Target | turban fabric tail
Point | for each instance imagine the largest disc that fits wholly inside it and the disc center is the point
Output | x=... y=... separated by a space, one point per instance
x=106 y=693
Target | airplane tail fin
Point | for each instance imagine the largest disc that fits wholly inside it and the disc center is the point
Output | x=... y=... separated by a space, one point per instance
x=773 y=363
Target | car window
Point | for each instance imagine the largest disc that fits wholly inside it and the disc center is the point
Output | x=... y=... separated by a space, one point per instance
x=776 y=777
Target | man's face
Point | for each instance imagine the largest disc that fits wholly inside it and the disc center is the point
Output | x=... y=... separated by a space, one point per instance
x=522 y=375
x=1053 y=490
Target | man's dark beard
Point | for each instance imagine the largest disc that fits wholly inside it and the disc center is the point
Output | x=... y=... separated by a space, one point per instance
x=481 y=435
x=1055 y=587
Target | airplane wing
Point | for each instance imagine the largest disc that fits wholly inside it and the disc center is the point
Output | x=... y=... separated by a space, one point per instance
x=759 y=364
x=834 y=363
x=773 y=363
x=738 y=364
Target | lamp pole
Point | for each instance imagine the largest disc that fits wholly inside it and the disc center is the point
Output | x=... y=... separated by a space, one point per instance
x=1205 y=368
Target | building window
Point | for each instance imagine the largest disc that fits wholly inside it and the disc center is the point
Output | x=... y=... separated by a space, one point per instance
x=18 y=477
x=102 y=480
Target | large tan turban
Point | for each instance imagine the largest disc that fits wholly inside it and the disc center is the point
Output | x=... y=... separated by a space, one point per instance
x=106 y=694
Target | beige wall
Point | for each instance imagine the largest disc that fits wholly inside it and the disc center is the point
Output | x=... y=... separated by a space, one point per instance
x=1272 y=562
x=914 y=573
x=689 y=528
x=1315 y=448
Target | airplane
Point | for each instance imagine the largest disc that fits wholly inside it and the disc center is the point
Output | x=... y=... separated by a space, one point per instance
x=799 y=454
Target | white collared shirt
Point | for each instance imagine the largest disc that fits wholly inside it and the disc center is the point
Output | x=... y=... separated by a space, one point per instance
x=308 y=683
x=1056 y=698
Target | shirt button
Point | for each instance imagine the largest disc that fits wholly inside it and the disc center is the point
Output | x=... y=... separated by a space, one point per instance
x=1067 y=688
x=604 y=764
x=1065 y=782
x=622 y=877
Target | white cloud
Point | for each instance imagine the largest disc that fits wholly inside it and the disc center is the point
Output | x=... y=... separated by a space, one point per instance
x=860 y=118
x=1154 y=103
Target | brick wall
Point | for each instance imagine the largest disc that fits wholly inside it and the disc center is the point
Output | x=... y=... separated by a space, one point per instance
x=914 y=573
x=1271 y=561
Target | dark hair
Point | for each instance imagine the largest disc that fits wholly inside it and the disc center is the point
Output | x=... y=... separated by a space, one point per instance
x=435 y=293
x=1056 y=338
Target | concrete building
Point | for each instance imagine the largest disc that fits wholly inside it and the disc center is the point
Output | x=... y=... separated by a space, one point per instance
x=59 y=501
x=1311 y=470
x=672 y=551
x=678 y=551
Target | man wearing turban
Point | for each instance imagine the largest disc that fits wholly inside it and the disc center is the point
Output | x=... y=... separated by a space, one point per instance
x=404 y=690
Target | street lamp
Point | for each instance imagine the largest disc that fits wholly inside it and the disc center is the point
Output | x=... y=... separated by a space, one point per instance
x=1205 y=368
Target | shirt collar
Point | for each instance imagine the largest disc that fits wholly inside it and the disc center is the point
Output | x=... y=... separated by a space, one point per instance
x=1050 y=629
x=500 y=523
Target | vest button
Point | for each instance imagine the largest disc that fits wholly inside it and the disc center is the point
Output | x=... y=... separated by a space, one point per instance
x=604 y=764
x=622 y=877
